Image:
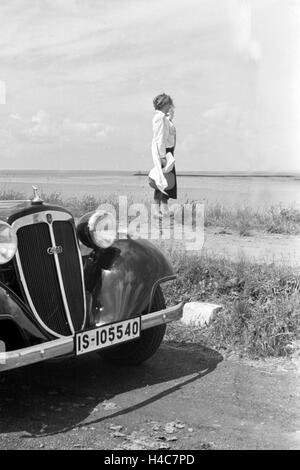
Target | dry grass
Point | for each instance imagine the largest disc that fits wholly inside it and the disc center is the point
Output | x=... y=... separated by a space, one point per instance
x=261 y=303
x=274 y=219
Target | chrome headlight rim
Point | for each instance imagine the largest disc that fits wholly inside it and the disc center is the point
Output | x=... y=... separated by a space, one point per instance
x=103 y=238
x=93 y=229
x=8 y=243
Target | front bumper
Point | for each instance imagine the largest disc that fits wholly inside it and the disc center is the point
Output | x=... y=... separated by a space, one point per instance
x=65 y=346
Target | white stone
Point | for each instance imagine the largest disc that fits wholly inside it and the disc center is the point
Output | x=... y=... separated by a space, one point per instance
x=199 y=313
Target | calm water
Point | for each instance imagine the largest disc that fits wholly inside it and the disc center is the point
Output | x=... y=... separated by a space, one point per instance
x=233 y=190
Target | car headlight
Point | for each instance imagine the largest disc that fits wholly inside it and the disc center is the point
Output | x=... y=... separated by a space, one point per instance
x=97 y=229
x=8 y=242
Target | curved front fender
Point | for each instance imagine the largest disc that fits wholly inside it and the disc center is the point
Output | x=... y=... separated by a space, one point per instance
x=122 y=282
x=11 y=308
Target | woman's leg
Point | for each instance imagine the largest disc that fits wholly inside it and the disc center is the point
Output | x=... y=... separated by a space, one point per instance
x=164 y=205
x=161 y=203
x=157 y=199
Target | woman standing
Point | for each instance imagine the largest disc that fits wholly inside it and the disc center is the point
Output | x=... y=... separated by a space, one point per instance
x=163 y=145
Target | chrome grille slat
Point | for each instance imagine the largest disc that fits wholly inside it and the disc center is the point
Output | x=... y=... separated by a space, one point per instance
x=70 y=270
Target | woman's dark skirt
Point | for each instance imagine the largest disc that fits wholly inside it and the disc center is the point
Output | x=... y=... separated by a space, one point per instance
x=171 y=193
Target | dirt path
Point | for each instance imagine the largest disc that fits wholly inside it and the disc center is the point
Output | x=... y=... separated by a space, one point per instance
x=183 y=398
x=257 y=247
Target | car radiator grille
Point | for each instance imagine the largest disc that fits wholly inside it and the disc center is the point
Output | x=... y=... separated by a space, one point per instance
x=70 y=270
x=39 y=276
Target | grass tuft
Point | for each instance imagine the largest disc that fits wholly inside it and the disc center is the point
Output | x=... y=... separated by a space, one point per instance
x=261 y=303
x=243 y=219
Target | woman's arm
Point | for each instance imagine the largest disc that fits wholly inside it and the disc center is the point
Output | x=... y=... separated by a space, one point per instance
x=160 y=135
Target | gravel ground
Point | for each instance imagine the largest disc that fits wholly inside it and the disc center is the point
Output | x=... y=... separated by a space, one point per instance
x=185 y=397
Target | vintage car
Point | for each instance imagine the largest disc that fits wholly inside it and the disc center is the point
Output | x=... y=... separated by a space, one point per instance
x=56 y=301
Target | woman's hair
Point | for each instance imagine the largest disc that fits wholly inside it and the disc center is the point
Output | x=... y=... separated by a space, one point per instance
x=161 y=100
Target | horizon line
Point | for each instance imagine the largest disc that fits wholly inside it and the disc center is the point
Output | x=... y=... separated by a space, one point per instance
x=145 y=172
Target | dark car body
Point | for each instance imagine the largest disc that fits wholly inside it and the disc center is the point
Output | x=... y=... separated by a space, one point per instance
x=54 y=289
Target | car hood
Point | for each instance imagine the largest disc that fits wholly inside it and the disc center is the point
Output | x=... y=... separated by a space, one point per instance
x=11 y=210
x=8 y=208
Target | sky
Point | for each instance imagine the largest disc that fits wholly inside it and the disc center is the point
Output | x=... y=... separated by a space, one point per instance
x=77 y=80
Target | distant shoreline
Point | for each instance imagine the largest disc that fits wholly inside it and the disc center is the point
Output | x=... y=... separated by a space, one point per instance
x=211 y=174
x=220 y=174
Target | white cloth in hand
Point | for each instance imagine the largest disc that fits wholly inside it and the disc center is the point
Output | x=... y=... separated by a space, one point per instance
x=157 y=172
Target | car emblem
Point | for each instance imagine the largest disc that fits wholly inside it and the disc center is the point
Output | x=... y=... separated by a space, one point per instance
x=49 y=218
x=54 y=250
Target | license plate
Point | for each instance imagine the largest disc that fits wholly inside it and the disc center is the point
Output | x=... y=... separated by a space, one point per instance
x=107 y=335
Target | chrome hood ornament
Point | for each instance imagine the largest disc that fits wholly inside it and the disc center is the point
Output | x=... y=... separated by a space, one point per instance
x=36 y=198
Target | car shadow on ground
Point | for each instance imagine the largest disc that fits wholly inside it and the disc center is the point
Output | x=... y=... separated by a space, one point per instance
x=53 y=397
